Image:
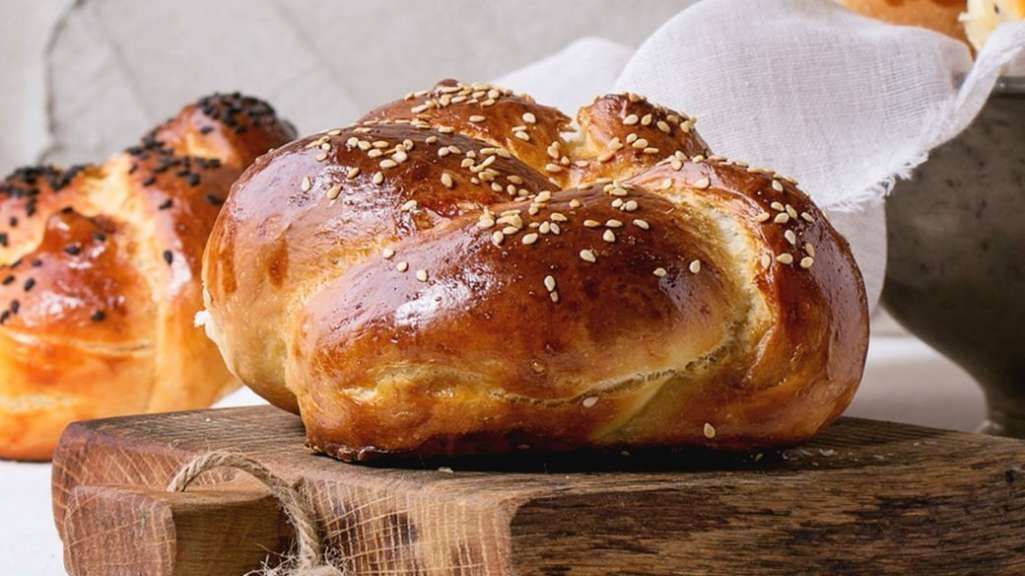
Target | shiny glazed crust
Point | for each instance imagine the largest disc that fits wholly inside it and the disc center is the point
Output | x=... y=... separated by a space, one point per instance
x=99 y=275
x=465 y=271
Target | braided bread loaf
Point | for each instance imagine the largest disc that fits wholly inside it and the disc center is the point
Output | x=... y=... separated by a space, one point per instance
x=465 y=271
x=99 y=275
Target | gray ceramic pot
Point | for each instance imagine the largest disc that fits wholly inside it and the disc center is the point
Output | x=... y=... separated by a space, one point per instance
x=956 y=270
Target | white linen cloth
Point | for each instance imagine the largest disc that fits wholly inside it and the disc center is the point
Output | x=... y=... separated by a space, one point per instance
x=842 y=103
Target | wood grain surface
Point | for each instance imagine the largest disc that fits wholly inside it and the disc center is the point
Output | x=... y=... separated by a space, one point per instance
x=865 y=497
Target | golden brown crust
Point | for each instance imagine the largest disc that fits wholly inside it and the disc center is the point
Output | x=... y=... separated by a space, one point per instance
x=463 y=302
x=939 y=15
x=100 y=275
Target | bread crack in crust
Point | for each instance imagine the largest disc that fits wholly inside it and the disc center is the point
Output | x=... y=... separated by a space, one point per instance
x=466 y=271
x=100 y=275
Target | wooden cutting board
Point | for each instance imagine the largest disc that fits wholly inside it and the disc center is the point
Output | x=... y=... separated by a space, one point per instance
x=865 y=497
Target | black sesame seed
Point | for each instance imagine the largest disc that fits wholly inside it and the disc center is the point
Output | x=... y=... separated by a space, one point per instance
x=133 y=168
x=4 y=316
x=8 y=279
x=215 y=200
x=99 y=236
x=37 y=263
x=3 y=238
x=206 y=129
x=98 y=316
x=149 y=181
x=13 y=221
x=192 y=179
x=30 y=284
x=15 y=306
x=73 y=249
x=168 y=256
x=166 y=204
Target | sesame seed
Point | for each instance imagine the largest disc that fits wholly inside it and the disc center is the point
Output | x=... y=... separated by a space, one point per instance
x=442 y=152
x=529 y=239
x=630 y=120
x=591 y=223
x=781 y=218
x=763 y=217
x=402 y=266
x=334 y=191
x=616 y=203
x=791 y=211
x=809 y=249
x=790 y=236
x=543 y=196
x=807 y=217
x=388 y=163
x=554 y=295
x=807 y=262
x=709 y=431
x=777 y=186
x=387 y=253
x=642 y=224
x=608 y=236
x=378 y=178
x=777 y=206
x=640 y=143
x=660 y=272
x=630 y=205
x=695 y=266
x=306 y=184
x=409 y=205
x=785 y=258
x=476 y=118
x=574 y=203
x=550 y=283
x=587 y=255
x=766 y=260
x=613 y=223
x=663 y=126
x=431 y=139
x=446 y=180
x=168 y=256
x=522 y=136
x=590 y=401
x=558 y=217
x=529 y=118
x=553 y=168
x=496 y=237
x=702 y=183
x=646 y=120
x=421 y=275
x=650 y=150
x=352 y=173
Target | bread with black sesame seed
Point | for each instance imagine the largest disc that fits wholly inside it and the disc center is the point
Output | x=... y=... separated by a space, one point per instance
x=427 y=283
x=100 y=275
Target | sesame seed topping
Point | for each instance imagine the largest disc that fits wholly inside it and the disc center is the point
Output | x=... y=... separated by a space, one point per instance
x=402 y=266
x=785 y=258
x=809 y=249
x=709 y=431
x=630 y=120
x=334 y=191
x=646 y=120
x=766 y=260
x=763 y=217
x=554 y=295
x=640 y=143
x=791 y=211
x=660 y=272
x=553 y=168
x=306 y=184
x=613 y=223
x=781 y=218
x=446 y=180
x=590 y=401
x=695 y=266
x=790 y=236
x=387 y=253
x=777 y=206
x=421 y=275
x=387 y=163
x=807 y=217
x=550 y=283
x=777 y=186
x=642 y=224
x=529 y=239
x=807 y=262
x=630 y=205
x=574 y=203
x=522 y=135
x=529 y=118
x=352 y=173
x=591 y=223
x=608 y=236
x=663 y=126
x=558 y=217
x=409 y=205
x=702 y=183
x=587 y=255
x=496 y=237
x=477 y=118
